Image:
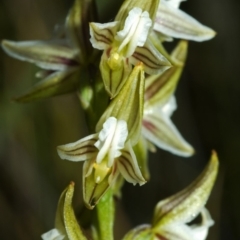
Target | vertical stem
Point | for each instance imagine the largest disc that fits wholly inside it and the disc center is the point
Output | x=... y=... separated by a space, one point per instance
x=105 y=211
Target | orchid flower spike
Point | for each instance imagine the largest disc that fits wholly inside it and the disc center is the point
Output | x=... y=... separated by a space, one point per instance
x=106 y=154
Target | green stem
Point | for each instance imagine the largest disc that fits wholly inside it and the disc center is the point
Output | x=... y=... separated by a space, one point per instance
x=105 y=211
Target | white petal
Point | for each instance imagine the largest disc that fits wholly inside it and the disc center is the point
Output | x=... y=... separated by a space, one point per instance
x=200 y=231
x=135 y=31
x=176 y=231
x=159 y=129
x=173 y=22
x=174 y=3
x=105 y=138
x=80 y=150
x=169 y=107
x=118 y=141
x=53 y=234
x=102 y=35
x=52 y=55
x=111 y=139
x=128 y=166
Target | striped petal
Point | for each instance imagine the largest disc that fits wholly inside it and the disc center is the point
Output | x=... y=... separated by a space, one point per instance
x=153 y=61
x=159 y=129
x=81 y=150
x=128 y=166
x=102 y=35
x=52 y=55
x=173 y=22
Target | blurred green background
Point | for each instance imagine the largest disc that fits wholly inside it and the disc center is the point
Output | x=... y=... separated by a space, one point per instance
x=32 y=176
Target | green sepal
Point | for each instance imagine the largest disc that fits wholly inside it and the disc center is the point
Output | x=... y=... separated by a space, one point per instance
x=65 y=221
x=141 y=152
x=159 y=88
x=55 y=84
x=142 y=232
x=114 y=78
x=187 y=204
x=92 y=191
x=128 y=104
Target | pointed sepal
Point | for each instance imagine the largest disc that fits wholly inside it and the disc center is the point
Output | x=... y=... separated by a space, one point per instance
x=51 y=55
x=173 y=22
x=159 y=130
x=57 y=83
x=159 y=88
x=115 y=70
x=128 y=104
x=66 y=224
x=184 y=206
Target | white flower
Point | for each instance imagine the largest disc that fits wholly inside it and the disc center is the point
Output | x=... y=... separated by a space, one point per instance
x=107 y=154
x=125 y=45
x=133 y=35
x=160 y=130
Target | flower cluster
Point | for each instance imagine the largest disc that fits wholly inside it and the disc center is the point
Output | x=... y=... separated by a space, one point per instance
x=138 y=78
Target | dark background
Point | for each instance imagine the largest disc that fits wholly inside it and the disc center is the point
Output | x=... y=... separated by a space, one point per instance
x=31 y=174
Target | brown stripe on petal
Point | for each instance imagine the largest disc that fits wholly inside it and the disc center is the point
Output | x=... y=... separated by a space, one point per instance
x=89 y=143
x=83 y=152
x=65 y=61
x=149 y=125
x=159 y=83
x=125 y=161
x=102 y=38
x=146 y=60
x=160 y=237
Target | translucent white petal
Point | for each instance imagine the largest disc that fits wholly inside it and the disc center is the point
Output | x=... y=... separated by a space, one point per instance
x=159 y=129
x=105 y=138
x=174 y=3
x=53 y=234
x=135 y=31
x=200 y=231
x=118 y=141
x=175 y=23
x=169 y=107
x=111 y=139
x=176 y=231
